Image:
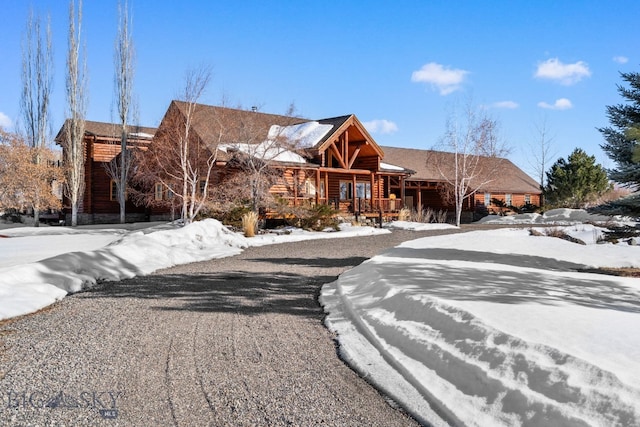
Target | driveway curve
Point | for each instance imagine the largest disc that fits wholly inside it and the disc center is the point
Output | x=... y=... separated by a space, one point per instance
x=236 y=341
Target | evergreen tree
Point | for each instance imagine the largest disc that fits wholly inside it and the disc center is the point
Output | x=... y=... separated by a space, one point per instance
x=575 y=182
x=622 y=137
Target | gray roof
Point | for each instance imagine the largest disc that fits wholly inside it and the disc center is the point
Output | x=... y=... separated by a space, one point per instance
x=110 y=130
x=430 y=165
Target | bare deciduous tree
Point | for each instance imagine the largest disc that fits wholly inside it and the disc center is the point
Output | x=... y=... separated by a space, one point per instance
x=179 y=162
x=73 y=142
x=257 y=145
x=120 y=167
x=477 y=149
x=37 y=81
x=542 y=151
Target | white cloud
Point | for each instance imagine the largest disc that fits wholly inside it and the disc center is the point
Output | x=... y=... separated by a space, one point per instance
x=445 y=79
x=566 y=74
x=381 y=126
x=560 y=104
x=620 y=59
x=509 y=105
x=5 y=121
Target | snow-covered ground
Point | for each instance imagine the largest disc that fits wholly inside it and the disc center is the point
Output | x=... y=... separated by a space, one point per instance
x=497 y=328
x=39 y=266
x=481 y=328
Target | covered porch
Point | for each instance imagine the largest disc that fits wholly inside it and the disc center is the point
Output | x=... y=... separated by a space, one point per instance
x=350 y=192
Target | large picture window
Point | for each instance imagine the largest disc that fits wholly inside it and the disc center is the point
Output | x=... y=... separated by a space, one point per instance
x=346 y=190
x=309 y=188
x=363 y=190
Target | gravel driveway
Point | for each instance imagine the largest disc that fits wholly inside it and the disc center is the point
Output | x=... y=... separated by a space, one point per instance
x=231 y=342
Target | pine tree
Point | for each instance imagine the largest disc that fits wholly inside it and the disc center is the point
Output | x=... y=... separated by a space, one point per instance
x=623 y=137
x=575 y=182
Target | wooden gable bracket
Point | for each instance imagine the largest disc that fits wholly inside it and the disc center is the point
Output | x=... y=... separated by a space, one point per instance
x=337 y=155
x=355 y=155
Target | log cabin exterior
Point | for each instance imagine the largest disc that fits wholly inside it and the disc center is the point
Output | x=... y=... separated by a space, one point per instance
x=99 y=202
x=331 y=161
x=507 y=184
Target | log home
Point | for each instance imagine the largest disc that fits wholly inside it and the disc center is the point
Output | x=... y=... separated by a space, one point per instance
x=329 y=161
x=99 y=203
x=502 y=181
x=332 y=161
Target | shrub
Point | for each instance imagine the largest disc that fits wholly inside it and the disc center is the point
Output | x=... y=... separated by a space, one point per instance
x=404 y=214
x=316 y=218
x=441 y=216
x=234 y=217
x=250 y=223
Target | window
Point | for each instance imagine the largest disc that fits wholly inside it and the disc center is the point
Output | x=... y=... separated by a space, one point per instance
x=309 y=188
x=363 y=190
x=487 y=199
x=527 y=199
x=113 y=190
x=322 y=195
x=508 y=200
x=158 y=191
x=346 y=190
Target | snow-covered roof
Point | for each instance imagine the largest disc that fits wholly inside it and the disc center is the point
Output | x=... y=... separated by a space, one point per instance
x=390 y=167
x=141 y=135
x=302 y=135
x=267 y=150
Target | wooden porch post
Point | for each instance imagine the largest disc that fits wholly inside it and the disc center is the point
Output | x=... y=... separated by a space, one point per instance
x=295 y=177
x=420 y=195
x=326 y=187
x=318 y=186
x=372 y=179
x=353 y=192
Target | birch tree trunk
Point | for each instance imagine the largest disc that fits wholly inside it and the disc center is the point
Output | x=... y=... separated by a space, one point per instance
x=74 y=156
x=124 y=70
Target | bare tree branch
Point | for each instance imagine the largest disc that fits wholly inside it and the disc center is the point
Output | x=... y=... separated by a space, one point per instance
x=124 y=70
x=542 y=151
x=37 y=80
x=477 y=150
x=73 y=142
x=179 y=160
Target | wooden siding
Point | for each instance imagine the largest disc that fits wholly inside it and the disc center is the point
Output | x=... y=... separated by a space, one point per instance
x=517 y=200
x=371 y=163
x=105 y=152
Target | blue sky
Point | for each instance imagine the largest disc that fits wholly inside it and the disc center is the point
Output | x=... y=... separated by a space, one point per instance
x=399 y=66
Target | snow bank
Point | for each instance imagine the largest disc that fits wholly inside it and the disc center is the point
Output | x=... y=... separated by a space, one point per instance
x=38 y=266
x=555 y=216
x=292 y=234
x=495 y=328
x=29 y=287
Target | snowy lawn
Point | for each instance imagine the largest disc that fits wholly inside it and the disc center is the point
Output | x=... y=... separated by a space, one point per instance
x=482 y=328
x=497 y=328
x=39 y=266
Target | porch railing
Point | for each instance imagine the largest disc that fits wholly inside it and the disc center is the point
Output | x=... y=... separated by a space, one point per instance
x=357 y=205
